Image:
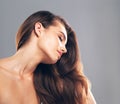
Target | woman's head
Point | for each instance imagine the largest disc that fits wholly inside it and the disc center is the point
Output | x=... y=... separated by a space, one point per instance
x=48 y=19
x=52 y=81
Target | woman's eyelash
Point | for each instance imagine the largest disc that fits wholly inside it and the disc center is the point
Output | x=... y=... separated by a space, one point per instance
x=61 y=39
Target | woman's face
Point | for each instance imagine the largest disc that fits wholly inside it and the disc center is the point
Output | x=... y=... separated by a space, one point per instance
x=52 y=43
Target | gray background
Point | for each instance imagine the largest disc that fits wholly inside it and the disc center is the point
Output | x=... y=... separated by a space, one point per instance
x=97 y=25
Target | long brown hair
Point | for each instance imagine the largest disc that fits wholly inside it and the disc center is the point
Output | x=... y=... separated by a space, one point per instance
x=64 y=81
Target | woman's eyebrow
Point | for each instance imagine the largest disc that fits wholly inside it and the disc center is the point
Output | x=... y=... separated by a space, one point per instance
x=65 y=38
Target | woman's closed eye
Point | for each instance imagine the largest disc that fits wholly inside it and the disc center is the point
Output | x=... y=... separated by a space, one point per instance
x=60 y=38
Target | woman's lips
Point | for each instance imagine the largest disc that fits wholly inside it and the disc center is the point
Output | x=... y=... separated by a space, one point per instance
x=60 y=53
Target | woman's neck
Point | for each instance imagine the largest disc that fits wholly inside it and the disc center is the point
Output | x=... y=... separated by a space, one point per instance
x=22 y=63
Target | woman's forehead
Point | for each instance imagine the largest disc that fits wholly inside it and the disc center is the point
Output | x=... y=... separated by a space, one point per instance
x=58 y=26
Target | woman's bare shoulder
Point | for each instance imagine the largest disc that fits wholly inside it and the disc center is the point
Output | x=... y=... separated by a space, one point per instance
x=2 y=76
x=3 y=64
x=90 y=98
x=2 y=69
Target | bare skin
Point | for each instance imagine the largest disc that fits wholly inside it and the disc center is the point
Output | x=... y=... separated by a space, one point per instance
x=16 y=81
x=16 y=72
x=14 y=90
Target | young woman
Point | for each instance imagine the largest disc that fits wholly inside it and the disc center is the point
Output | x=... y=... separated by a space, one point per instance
x=46 y=69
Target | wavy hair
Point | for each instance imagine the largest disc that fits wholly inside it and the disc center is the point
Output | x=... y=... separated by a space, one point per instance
x=63 y=82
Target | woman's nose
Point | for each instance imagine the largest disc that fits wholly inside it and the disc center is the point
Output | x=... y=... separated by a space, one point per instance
x=63 y=49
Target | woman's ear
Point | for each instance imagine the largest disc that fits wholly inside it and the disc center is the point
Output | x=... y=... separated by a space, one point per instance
x=38 y=28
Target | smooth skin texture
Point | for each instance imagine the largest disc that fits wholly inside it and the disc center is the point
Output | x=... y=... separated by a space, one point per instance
x=16 y=72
